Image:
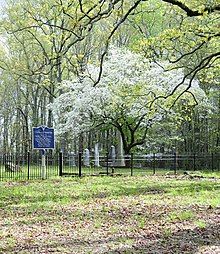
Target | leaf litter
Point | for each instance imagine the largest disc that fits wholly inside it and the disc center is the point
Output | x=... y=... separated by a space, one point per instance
x=141 y=222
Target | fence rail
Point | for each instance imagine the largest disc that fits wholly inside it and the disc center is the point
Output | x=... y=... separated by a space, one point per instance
x=29 y=166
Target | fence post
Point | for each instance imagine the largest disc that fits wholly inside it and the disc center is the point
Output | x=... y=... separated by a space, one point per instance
x=154 y=163
x=80 y=164
x=131 y=163
x=28 y=165
x=107 y=163
x=194 y=162
x=60 y=163
x=43 y=164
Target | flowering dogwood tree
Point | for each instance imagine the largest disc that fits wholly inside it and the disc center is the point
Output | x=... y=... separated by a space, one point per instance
x=123 y=98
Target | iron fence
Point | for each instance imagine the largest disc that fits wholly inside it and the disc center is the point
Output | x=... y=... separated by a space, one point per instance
x=29 y=166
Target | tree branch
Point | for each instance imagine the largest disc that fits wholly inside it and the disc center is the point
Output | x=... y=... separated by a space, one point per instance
x=190 y=12
x=203 y=64
x=121 y=21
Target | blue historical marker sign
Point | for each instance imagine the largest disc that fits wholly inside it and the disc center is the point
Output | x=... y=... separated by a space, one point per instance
x=43 y=138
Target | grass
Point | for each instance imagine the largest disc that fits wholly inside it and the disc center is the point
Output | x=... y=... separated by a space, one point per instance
x=140 y=214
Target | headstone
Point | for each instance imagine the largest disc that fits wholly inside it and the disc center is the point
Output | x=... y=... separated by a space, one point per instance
x=121 y=159
x=97 y=155
x=113 y=155
x=72 y=161
x=86 y=159
x=11 y=167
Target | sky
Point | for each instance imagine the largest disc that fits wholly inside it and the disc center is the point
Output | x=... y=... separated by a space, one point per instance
x=2 y=2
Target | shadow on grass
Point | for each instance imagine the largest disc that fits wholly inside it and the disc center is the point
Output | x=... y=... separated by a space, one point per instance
x=206 y=240
x=165 y=241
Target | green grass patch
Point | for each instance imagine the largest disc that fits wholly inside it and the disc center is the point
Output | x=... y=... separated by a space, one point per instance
x=181 y=216
x=201 y=224
x=108 y=214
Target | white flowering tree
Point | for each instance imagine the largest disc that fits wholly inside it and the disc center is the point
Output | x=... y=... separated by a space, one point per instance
x=123 y=98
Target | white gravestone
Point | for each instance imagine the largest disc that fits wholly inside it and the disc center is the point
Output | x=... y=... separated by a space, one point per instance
x=97 y=155
x=121 y=159
x=86 y=160
x=113 y=155
x=72 y=161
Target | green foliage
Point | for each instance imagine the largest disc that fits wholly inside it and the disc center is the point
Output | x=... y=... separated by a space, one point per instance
x=188 y=42
x=45 y=42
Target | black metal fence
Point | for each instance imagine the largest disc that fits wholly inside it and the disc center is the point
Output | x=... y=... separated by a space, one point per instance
x=29 y=166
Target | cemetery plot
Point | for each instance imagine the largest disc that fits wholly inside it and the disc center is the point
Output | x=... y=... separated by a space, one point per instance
x=29 y=166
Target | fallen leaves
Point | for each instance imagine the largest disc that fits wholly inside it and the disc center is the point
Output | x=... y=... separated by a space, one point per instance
x=144 y=221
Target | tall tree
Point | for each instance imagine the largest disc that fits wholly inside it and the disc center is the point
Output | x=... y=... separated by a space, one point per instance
x=123 y=98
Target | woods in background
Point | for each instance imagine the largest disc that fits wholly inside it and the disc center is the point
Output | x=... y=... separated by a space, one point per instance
x=59 y=53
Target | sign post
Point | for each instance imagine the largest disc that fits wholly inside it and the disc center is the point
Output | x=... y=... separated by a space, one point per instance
x=43 y=138
x=43 y=164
